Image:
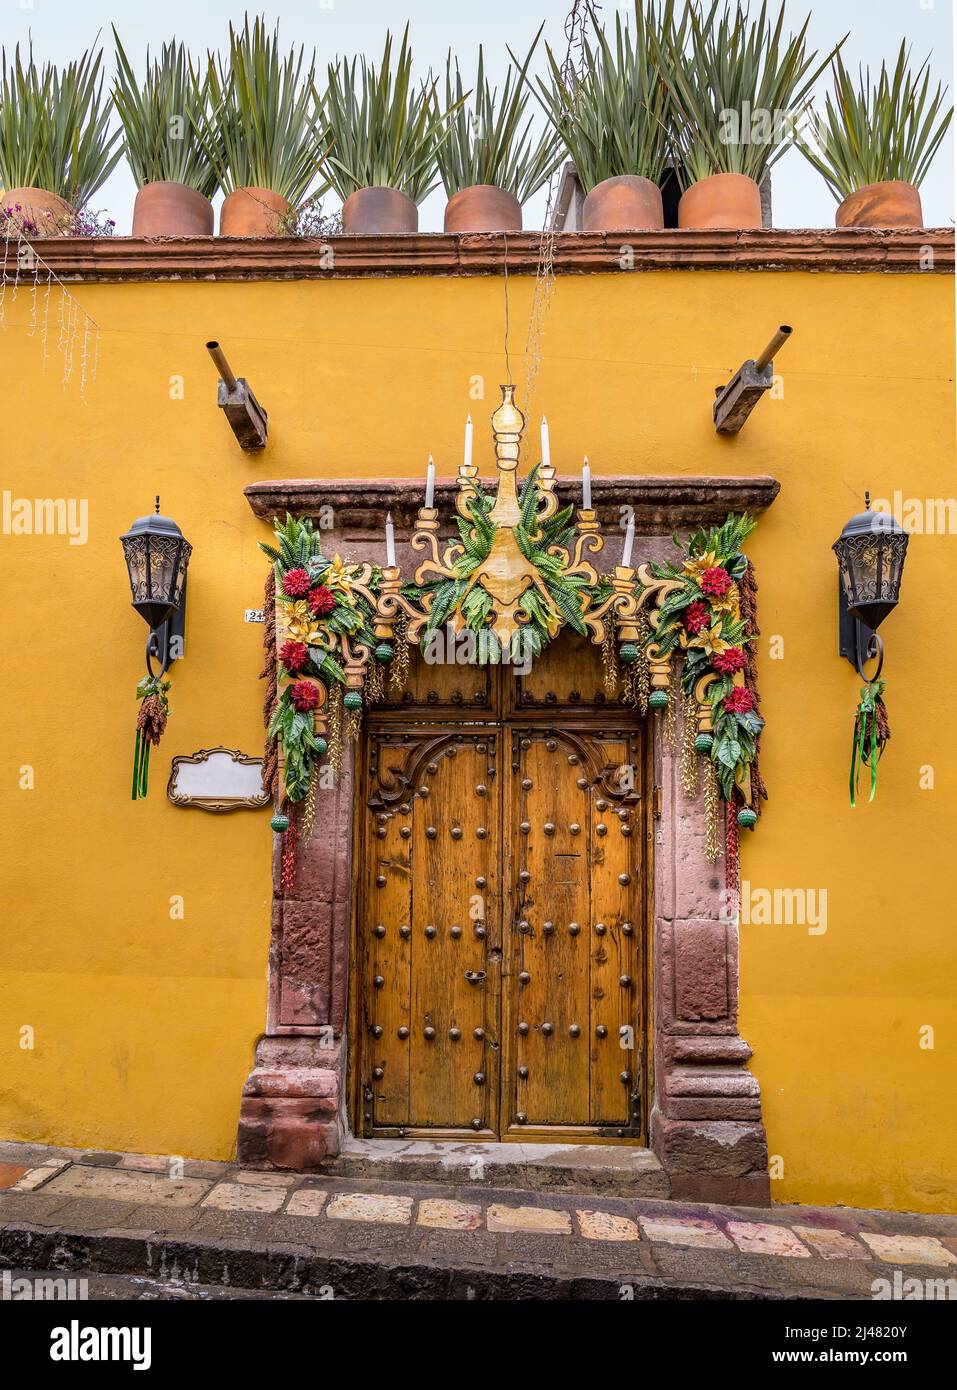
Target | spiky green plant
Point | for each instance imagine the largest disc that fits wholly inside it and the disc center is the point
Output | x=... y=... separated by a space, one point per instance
x=381 y=131
x=487 y=142
x=160 y=115
x=263 y=126
x=891 y=130
x=613 y=120
x=54 y=127
x=737 y=88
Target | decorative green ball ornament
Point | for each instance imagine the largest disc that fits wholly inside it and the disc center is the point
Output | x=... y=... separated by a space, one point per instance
x=352 y=699
x=628 y=653
x=658 y=699
x=321 y=745
x=747 y=819
x=383 y=652
x=703 y=743
x=279 y=823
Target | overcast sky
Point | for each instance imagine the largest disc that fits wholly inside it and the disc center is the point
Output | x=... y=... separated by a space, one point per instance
x=61 y=29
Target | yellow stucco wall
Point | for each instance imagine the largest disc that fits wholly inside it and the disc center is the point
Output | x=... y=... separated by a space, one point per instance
x=144 y=1026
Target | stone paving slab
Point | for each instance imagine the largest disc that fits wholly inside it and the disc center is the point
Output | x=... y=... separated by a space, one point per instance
x=395 y=1239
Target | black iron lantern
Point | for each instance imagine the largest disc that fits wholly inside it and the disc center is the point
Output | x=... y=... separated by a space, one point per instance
x=157 y=556
x=870 y=558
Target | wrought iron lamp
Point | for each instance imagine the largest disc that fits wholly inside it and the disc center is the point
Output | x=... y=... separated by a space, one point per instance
x=870 y=557
x=157 y=556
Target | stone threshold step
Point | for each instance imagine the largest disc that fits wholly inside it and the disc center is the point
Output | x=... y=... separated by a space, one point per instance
x=180 y=1265
x=610 y=1169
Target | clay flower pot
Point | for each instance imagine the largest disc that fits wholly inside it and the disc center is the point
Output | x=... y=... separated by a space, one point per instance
x=379 y=212
x=171 y=209
x=253 y=212
x=723 y=202
x=623 y=204
x=52 y=214
x=483 y=208
x=888 y=204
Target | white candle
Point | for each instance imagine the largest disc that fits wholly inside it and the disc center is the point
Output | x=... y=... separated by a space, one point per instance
x=546 y=447
x=629 y=542
x=389 y=541
x=430 y=484
x=468 y=441
x=586 y=485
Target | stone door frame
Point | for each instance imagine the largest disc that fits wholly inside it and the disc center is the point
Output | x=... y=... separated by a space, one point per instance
x=706 y=1126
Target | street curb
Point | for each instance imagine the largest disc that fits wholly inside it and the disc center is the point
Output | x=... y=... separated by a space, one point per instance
x=301 y=1269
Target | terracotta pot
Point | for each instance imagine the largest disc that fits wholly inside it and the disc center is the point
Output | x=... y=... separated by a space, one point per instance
x=483 y=208
x=51 y=213
x=253 y=212
x=379 y=212
x=171 y=209
x=623 y=204
x=888 y=204
x=723 y=202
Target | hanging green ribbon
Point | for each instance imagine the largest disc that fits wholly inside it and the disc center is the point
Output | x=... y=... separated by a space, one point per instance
x=141 y=766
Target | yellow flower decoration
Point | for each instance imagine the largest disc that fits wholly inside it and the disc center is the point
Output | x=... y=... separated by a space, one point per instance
x=709 y=640
x=302 y=626
x=730 y=604
x=695 y=568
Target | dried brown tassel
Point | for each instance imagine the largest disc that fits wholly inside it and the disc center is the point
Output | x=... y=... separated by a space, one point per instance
x=270 y=674
x=748 y=591
x=151 y=719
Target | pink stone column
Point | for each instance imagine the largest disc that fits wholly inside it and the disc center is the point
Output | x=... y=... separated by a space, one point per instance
x=289 y=1116
x=706 y=1125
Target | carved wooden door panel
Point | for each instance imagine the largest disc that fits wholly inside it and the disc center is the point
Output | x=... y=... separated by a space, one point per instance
x=500 y=979
x=573 y=984
x=430 y=934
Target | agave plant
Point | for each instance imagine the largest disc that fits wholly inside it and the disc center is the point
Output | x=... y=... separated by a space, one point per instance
x=262 y=125
x=869 y=134
x=614 y=119
x=54 y=128
x=487 y=142
x=380 y=130
x=737 y=89
x=160 y=116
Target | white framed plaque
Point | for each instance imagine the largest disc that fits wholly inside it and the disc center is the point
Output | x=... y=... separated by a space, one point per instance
x=218 y=779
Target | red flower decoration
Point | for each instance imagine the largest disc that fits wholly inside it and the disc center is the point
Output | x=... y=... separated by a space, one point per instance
x=729 y=661
x=715 y=582
x=293 y=656
x=295 y=583
x=304 y=696
x=738 y=701
x=696 y=617
x=321 y=601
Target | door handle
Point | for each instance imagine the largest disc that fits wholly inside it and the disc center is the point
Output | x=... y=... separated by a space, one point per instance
x=475 y=977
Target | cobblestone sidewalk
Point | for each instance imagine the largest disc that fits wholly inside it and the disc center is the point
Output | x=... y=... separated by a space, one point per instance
x=182 y=1222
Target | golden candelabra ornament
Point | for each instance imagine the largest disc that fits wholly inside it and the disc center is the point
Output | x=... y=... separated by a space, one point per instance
x=507 y=586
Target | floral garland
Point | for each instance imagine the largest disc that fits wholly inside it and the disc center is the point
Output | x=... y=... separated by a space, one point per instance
x=702 y=618
x=537 y=542
x=325 y=607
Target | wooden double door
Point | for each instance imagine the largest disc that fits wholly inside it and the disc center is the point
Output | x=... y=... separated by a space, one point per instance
x=500 y=981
